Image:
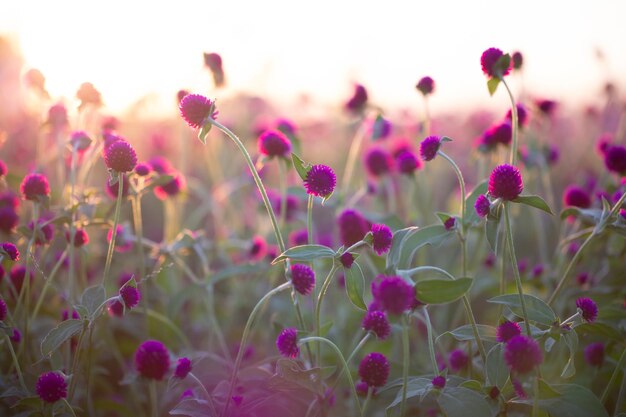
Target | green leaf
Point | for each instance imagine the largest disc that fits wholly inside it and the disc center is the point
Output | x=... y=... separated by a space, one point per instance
x=546 y=391
x=305 y=253
x=492 y=85
x=491 y=230
x=472 y=384
x=60 y=334
x=441 y=291
x=301 y=167
x=355 y=285
x=92 y=298
x=571 y=340
x=599 y=329
x=574 y=401
x=393 y=257
x=463 y=402
x=502 y=64
x=430 y=235
x=496 y=368
x=465 y=333
x=536 y=308
x=415 y=387
x=204 y=131
x=470 y=215
x=534 y=201
x=192 y=407
x=445 y=139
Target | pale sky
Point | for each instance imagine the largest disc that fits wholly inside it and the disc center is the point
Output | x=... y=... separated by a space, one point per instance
x=281 y=49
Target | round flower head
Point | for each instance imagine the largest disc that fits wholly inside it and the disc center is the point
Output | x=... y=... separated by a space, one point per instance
x=183 y=367
x=439 y=382
x=258 y=248
x=576 y=196
x=517 y=60
x=594 y=354
x=152 y=359
x=347 y=259
x=120 y=156
x=505 y=182
x=286 y=126
x=507 y=330
x=546 y=107
x=172 y=188
x=374 y=369
x=522 y=354
x=287 y=343
x=522 y=115
x=378 y=162
x=16 y=337
x=51 y=387
x=381 y=128
x=407 y=162
x=429 y=147
x=81 y=238
x=302 y=278
x=392 y=293
x=142 y=169
x=352 y=227
x=482 y=205
x=426 y=86
x=588 y=308
x=130 y=295
x=502 y=133
x=195 y=109
x=615 y=159
x=382 y=237
x=274 y=143
x=17 y=275
x=115 y=308
x=450 y=223
x=298 y=237
x=377 y=323
x=8 y=219
x=488 y=61
x=80 y=141
x=57 y=116
x=358 y=101
x=35 y=186
x=11 y=250
x=458 y=359
x=3 y=309
x=320 y=181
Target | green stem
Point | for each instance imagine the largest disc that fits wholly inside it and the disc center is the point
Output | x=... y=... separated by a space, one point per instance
x=244 y=340
x=154 y=404
x=79 y=346
x=571 y=264
x=358 y=347
x=518 y=279
x=69 y=407
x=405 y=362
x=431 y=344
x=309 y=219
x=47 y=284
x=614 y=376
x=459 y=175
x=116 y=219
x=343 y=362
x=206 y=393
x=353 y=154
x=217 y=329
x=318 y=310
x=72 y=248
x=20 y=376
x=282 y=180
x=514 y=122
x=370 y=391
x=426 y=127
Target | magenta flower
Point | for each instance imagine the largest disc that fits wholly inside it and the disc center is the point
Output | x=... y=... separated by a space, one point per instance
x=81 y=238
x=273 y=143
x=130 y=295
x=287 y=343
x=352 y=227
x=378 y=162
x=302 y=278
x=594 y=354
x=458 y=360
x=439 y=382
x=615 y=159
x=522 y=115
x=507 y=330
x=51 y=387
x=426 y=85
x=320 y=181
x=120 y=156
x=407 y=162
x=142 y=169
x=374 y=369
x=576 y=196
x=183 y=367
x=377 y=323
x=392 y=293
x=35 y=186
x=522 y=354
x=588 y=308
x=195 y=109
x=517 y=60
x=347 y=259
x=489 y=60
x=152 y=359
x=450 y=223
x=382 y=238
x=502 y=133
x=358 y=101
x=258 y=248
x=172 y=188
x=3 y=309
x=545 y=106
x=11 y=250
x=505 y=182
x=429 y=147
x=482 y=205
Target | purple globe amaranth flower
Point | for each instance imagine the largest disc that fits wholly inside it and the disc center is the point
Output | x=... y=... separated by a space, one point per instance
x=522 y=354
x=130 y=295
x=8 y=219
x=352 y=227
x=522 y=115
x=3 y=309
x=489 y=63
x=507 y=330
x=426 y=85
x=120 y=156
x=615 y=159
x=115 y=308
x=439 y=382
x=407 y=162
x=152 y=359
x=172 y=188
x=429 y=147
x=51 y=387
x=594 y=354
x=286 y=126
x=517 y=60
x=302 y=278
x=298 y=237
x=195 y=109
x=381 y=128
x=392 y=293
x=3 y=169
x=183 y=367
x=537 y=271
x=143 y=169
x=17 y=276
x=450 y=223
x=80 y=141
x=381 y=238
x=545 y=106
x=213 y=61
x=377 y=323
x=287 y=343
x=358 y=101
x=35 y=186
x=378 y=162
x=258 y=248
x=588 y=308
x=320 y=181
x=81 y=238
x=577 y=197
x=505 y=182
x=458 y=360
x=502 y=133
x=346 y=259
x=46 y=231
x=374 y=369
x=482 y=206
x=16 y=337
x=11 y=250
x=273 y=143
